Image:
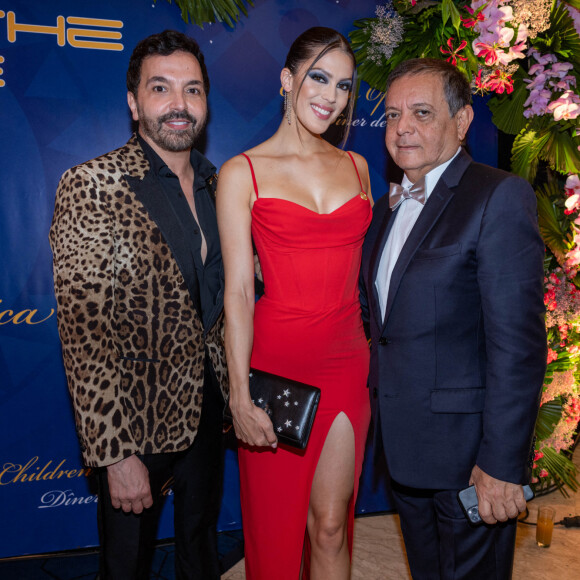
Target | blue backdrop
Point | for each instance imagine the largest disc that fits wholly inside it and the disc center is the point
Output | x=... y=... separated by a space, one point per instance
x=63 y=101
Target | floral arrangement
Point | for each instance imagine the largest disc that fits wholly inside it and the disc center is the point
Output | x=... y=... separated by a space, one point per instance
x=524 y=56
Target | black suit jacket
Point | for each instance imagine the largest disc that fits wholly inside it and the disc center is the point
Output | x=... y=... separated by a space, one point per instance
x=457 y=364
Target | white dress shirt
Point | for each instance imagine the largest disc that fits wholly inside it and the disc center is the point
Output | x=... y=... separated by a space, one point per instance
x=404 y=220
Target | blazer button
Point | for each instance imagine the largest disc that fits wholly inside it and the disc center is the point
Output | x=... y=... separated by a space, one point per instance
x=375 y=393
x=384 y=340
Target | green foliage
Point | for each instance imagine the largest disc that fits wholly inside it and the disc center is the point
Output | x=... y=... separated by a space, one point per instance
x=544 y=139
x=424 y=35
x=562 y=471
x=549 y=415
x=554 y=228
x=208 y=11
x=449 y=11
x=561 y=38
x=526 y=151
x=560 y=151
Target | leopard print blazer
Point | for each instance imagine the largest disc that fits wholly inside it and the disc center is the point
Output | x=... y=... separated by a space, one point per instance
x=133 y=343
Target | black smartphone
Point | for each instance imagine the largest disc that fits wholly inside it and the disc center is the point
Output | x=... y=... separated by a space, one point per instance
x=468 y=501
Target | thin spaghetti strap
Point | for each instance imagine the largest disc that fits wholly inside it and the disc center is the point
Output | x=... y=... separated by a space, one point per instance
x=356 y=169
x=253 y=175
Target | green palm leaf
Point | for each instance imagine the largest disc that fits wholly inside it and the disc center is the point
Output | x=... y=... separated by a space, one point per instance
x=550 y=413
x=561 y=37
x=562 y=471
x=508 y=110
x=526 y=152
x=560 y=150
x=208 y=11
x=555 y=233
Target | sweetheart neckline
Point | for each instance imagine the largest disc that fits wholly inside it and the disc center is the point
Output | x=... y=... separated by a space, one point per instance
x=358 y=195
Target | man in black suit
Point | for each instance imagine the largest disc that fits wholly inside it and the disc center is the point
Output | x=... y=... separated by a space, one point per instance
x=451 y=285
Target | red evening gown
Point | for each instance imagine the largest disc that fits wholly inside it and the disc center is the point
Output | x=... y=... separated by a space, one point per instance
x=307 y=327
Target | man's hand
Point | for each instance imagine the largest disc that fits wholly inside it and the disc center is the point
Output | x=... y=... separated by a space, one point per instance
x=129 y=485
x=498 y=500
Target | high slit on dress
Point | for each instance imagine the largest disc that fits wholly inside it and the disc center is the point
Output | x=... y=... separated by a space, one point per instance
x=307 y=327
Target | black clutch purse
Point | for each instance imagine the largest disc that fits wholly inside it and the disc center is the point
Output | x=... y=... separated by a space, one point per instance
x=291 y=406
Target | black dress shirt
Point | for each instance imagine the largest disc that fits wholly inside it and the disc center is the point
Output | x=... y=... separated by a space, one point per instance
x=202 y=278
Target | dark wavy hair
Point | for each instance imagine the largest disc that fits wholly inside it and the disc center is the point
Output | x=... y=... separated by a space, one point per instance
x=314 y=43
x=164 y=44
x=455 y=84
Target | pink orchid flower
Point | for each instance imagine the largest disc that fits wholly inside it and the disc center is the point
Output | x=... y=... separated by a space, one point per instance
x=561 y=68
x=572 y=183
x=517 y=51
x=566 y=107
x=572 y=203
x=523 y=34
x=542 y=59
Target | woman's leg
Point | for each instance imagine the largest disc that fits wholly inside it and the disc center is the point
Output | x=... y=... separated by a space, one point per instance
x=332 y=490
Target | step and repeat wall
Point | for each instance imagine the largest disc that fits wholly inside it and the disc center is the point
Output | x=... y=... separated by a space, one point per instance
x=63 y=101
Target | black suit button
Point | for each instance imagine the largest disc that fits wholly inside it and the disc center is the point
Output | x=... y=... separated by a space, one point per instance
x=384 y=340
x=375 y=393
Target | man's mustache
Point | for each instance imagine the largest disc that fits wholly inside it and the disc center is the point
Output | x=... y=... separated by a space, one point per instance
x=178 y=115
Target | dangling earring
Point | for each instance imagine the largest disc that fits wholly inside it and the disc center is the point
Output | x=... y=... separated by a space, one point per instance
x=288 y=107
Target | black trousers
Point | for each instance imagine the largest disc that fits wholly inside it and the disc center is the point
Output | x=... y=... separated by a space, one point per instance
x=442 y=545
x=127 y=540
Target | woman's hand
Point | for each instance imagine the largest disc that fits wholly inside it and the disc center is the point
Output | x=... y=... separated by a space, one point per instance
x=253 y=426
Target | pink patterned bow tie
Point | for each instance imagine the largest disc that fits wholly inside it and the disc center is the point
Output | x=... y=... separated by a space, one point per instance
x=398 y=193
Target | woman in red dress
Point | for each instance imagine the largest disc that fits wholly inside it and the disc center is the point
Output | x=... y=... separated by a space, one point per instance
x=306 y=206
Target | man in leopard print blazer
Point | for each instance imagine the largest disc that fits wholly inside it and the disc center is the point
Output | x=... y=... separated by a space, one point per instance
x=139 y=283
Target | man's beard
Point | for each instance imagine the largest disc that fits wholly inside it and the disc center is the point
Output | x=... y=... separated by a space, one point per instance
x=170 y=139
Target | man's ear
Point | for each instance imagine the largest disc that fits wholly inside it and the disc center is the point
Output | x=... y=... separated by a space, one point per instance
x=286 y=79
x=132 y=102
x=463 y=118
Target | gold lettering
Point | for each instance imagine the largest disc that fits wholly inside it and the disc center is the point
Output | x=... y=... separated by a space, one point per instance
x=20 y=471
x=73 y=34
x=8 y=468
x=28 y=318
x=38 y=475
x=9 y=312
x=17 y=473
x=52 y=475
x=374 y=95
x=23 y=316
x=2 y=82
x=14 y=27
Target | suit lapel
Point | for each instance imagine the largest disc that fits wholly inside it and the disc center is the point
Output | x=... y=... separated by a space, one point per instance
x=147 y=190
x=434 y=207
